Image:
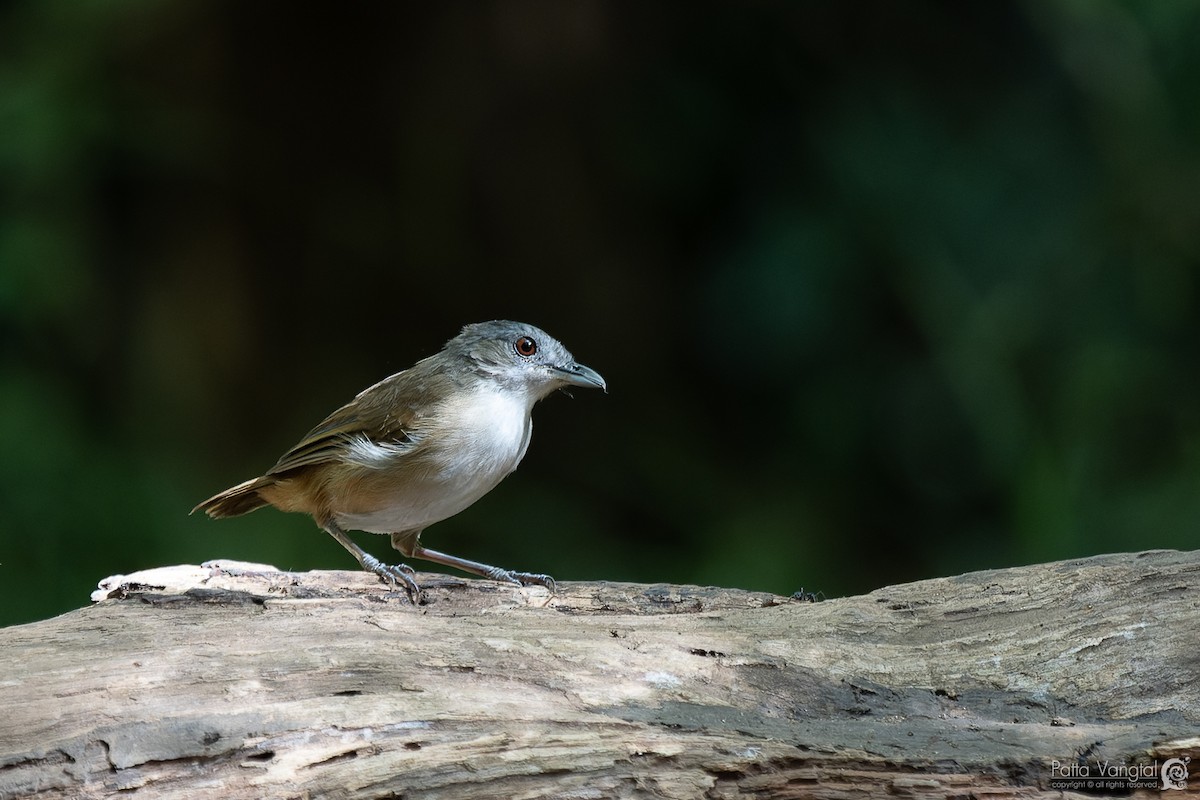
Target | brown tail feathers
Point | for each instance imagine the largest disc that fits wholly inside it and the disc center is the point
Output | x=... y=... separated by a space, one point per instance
x=236 y=500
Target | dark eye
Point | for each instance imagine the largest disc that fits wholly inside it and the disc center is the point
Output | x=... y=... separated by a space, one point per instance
x=525 y=346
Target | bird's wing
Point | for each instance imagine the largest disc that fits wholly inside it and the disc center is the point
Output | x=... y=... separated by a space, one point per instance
x=388 y=413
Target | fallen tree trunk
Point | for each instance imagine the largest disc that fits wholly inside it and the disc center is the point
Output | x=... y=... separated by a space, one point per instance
x=197 y=682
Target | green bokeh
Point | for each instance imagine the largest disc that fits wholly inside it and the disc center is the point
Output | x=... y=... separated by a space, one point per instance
x=881 y=292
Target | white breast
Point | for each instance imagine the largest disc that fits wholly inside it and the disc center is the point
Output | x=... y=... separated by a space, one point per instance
x=475 y=441
x=485 y=432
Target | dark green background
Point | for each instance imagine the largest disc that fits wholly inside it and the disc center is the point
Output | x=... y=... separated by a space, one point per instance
x=882 y=290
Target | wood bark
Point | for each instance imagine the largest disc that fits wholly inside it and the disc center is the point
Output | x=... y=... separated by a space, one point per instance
x=230 y=681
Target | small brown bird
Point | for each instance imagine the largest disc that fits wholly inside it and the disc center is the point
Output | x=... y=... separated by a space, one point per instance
x=419 y=447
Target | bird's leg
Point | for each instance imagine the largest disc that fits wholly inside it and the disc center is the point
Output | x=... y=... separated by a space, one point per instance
x=409 y=543
x=398 y=574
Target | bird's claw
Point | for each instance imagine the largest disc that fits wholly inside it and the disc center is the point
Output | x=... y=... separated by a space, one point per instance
x=398 y=575
x=523 y=578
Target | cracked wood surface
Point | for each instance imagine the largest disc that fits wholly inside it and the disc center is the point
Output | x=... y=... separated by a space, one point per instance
x=235 y=681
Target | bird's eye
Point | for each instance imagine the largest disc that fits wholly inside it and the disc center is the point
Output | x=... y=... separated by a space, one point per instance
x=525 y=346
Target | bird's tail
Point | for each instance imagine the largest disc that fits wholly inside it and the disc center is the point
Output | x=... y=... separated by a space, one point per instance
x=236 y=500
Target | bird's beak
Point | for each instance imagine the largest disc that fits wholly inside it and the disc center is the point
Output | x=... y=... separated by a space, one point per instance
x=579 y=375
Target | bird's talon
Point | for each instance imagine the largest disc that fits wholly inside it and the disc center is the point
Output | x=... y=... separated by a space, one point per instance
x=398 y=576
x=528 y=579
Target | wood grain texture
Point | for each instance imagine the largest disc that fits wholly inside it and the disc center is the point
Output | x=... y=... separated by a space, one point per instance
x=204 y=682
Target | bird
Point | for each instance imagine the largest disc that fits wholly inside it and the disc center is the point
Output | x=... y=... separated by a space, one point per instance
x=420 y=446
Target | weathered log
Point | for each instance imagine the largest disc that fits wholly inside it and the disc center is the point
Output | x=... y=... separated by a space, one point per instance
x=198 y=682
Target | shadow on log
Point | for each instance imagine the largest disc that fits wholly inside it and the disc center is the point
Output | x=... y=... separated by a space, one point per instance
x=230 y=681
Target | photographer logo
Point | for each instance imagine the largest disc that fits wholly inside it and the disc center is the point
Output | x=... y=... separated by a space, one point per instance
x=1175 y=773
x=1084 y=774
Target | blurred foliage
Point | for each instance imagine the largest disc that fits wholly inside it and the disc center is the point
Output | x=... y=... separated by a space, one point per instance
x=882 y=291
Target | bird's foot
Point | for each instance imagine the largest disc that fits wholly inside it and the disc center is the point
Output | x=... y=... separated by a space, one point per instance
x=398 y=575
x=521 y=578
